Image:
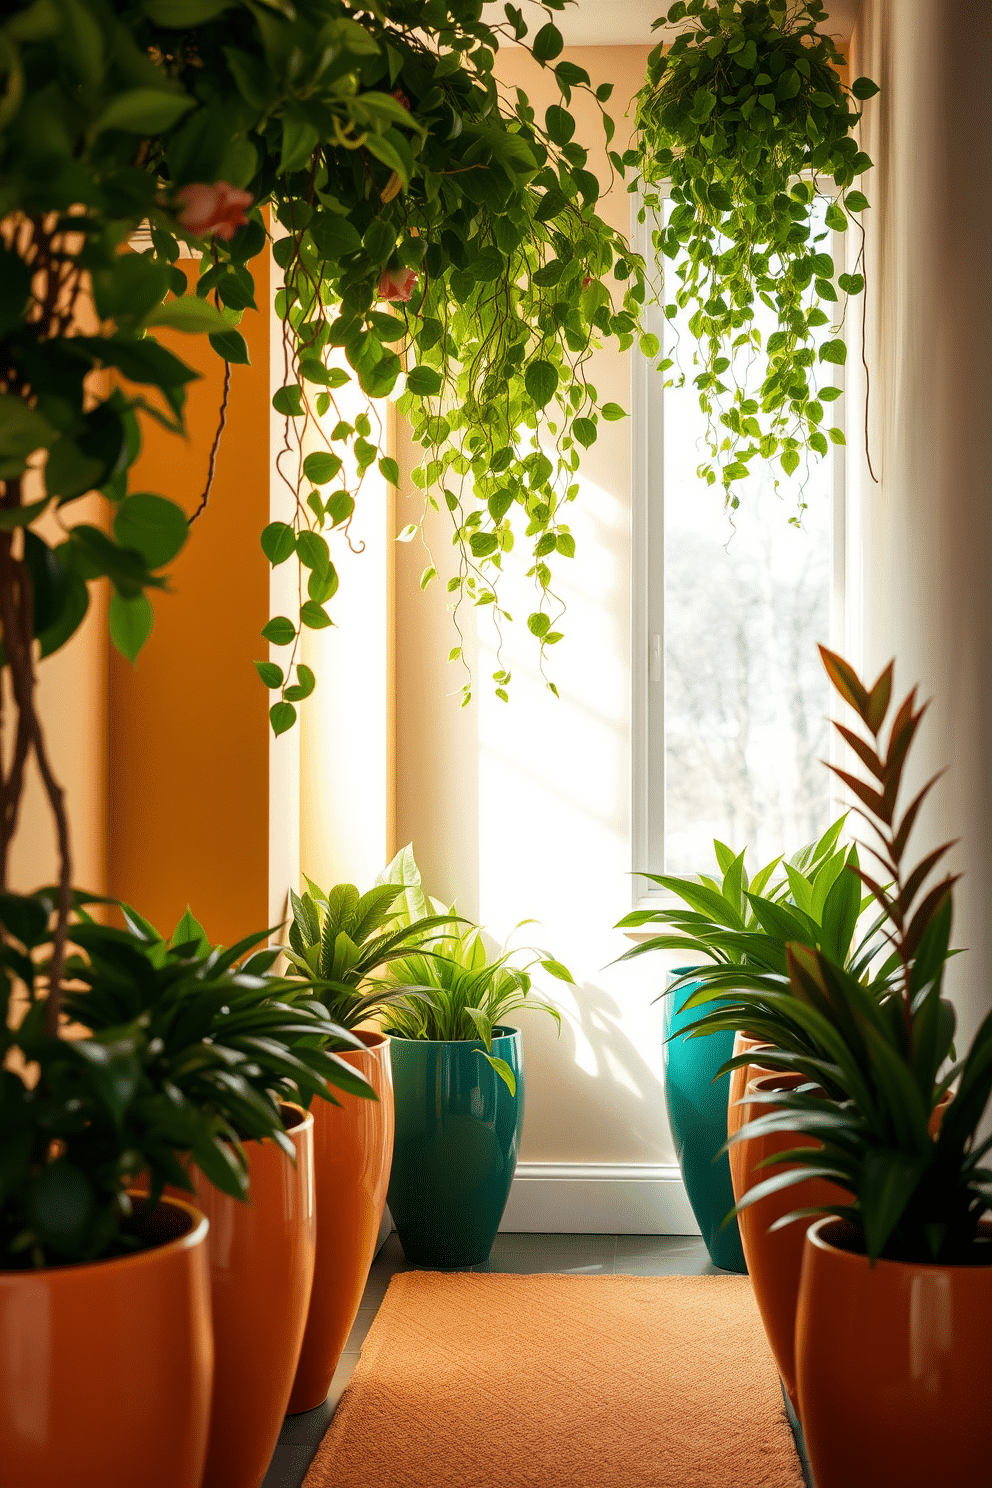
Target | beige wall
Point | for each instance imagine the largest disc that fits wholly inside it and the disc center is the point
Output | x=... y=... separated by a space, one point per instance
x=925 y=531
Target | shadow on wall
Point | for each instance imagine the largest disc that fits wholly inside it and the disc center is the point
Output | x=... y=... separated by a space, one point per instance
x=619 y=1096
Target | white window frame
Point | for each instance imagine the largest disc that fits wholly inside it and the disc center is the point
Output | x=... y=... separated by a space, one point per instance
x=647 y=647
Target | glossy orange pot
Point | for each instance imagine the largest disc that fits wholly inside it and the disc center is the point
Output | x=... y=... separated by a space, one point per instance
x=106 y=1368
x=353 y=1146
x=743 y=1044
x=261 y=1271
x=895 y=1372
x=774 y=1259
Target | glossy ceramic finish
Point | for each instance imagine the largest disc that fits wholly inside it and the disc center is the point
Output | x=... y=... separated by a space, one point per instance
x=774 y=1258
x=107 y=1366
x=743 y=1044
x=353 y=1148
x=261 y=1270
x=457 y=1139
x=895 y=1373
x=697 y=1115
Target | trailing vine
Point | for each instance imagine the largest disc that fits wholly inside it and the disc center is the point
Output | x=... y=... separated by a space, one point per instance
x=747 y=118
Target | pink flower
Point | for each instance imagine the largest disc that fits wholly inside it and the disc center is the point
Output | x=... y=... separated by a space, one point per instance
x=218 y=209
x=397 y=284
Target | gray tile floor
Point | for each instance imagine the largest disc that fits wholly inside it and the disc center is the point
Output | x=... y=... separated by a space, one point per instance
x=581 y=1255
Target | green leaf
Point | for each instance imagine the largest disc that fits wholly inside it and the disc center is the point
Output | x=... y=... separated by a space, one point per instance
x=289 y=401
x=313 y=616
x=321 y=467
x=179 y=14
x=559 y=124
x=282 y=716
x=390 y=470
x=131 y=622
x=856 y=201
x=313 y=551
x=144 y=111
x=189 y=313
x=279 y=631
x=547 y=44
x=423 y=381
x=541 y=382
x=790 y=461
x=278 y=542
x=303 y=687
x=538 y=624
x=584 y=430
x=834 y=351
x=558 y=970
x=863 y=88
x=153 y=526
x=612 y=412
x=232 y=346
x=270 y=674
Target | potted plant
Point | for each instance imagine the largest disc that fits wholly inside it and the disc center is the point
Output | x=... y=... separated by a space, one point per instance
x=232 y=1041
x=459 y=1089
x=104 y=1297
x=893 y=1373
x=337 y=940
x=736 y=928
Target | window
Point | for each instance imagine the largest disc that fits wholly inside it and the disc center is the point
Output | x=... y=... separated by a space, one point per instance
x=730 y=700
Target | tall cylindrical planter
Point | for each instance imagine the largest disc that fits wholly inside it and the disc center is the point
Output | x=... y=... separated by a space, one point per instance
x=894 y=1367
x=353 y=1144
x=739 y=1081
x=457 y=1139
x=697 y=1115
x=774 y=1256
x=261 y=1271
x=106 y=1368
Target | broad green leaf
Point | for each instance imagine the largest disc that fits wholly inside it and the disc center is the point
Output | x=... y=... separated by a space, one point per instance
x=144 y=111
x=154 y=526
x=131 y=623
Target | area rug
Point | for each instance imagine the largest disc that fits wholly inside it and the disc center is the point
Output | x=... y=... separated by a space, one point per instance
x=495 y=1381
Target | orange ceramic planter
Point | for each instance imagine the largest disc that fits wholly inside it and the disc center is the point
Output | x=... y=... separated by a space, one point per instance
x=743 y=1044
x=261 y=1271
x=774 y=1260
x=895 y=1375
x=353 y=1150
x=106 y=1369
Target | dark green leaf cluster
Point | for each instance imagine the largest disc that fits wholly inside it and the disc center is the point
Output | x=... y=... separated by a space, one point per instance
x=187 y=1056
x=339 y=939
x=743 y=933
x=915 y=1195
x=458 y=989
x=745 y=115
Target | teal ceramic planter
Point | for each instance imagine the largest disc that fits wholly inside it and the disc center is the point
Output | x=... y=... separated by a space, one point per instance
x=697 y=1114
x=457 y=1139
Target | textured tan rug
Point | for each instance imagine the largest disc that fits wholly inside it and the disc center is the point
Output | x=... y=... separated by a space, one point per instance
x=495 y=1381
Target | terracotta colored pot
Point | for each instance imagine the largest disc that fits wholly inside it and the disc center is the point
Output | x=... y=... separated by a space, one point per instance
x=110 y=1358
x=895 y=1374
x=353 y=1149
x=261 y=1271
x=774 y=1260
x=743 y=1044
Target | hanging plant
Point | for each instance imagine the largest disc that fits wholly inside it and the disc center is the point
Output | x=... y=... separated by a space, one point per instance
x=439 y=243
x=747 y=118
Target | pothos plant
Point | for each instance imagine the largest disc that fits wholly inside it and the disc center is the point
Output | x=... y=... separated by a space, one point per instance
x=395 y=173
x=747 y=118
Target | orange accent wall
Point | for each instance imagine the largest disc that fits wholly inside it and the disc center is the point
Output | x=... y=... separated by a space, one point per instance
x=188 y=731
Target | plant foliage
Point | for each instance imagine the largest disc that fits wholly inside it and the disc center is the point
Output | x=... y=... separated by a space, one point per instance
x=458 y=989
x=187 y=1056
x=915 y=1196
x=745 y=115
x=744 y=932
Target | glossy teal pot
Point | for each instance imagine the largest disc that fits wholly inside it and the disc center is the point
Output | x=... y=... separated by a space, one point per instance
x=456 y=1145
x=697 y=1114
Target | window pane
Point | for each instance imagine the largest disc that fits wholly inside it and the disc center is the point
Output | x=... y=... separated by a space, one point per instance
x=747 y=596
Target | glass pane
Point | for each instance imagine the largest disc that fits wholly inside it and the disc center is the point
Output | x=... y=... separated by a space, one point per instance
x=747 y=596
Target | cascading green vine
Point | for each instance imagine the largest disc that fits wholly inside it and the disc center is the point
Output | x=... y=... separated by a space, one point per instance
x=483 y=236
x=746 y=116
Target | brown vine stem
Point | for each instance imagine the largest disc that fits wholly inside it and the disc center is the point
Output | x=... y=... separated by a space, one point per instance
x=864 y=355
x=212 y=467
